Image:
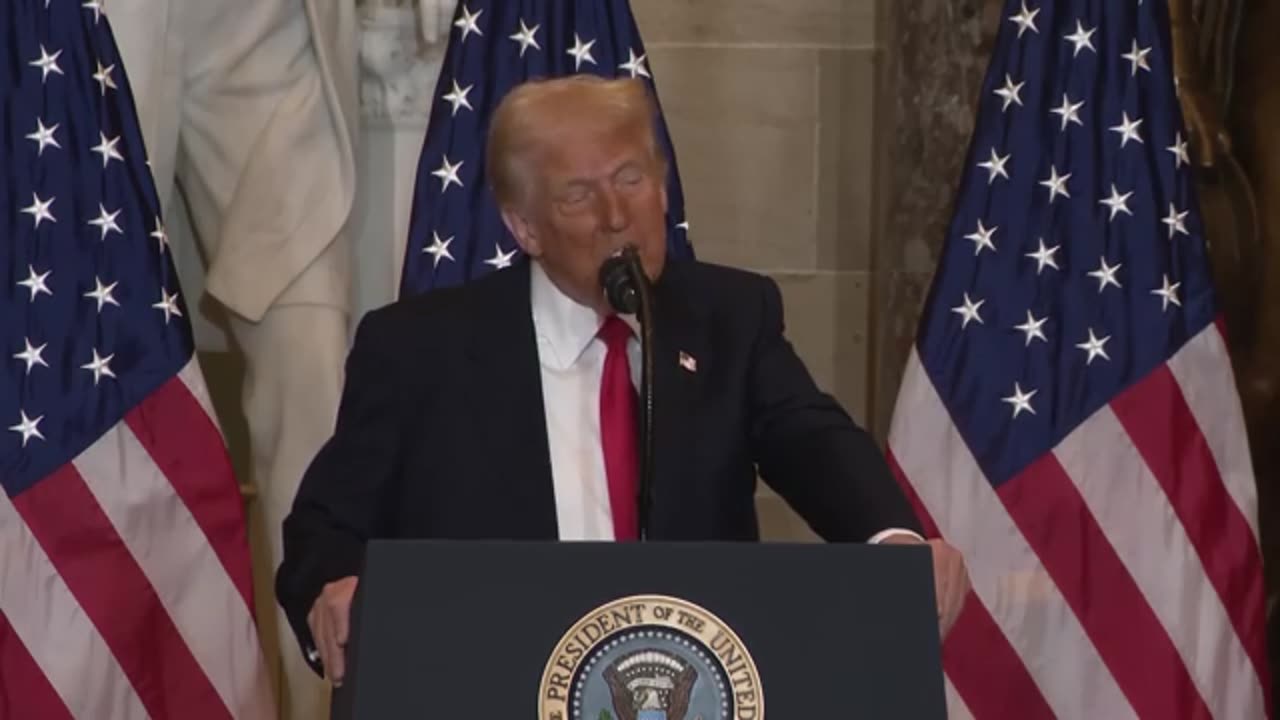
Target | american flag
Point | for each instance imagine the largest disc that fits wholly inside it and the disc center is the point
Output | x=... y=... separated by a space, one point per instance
x=455 y=231
x=125 y=588
x=1069 y=419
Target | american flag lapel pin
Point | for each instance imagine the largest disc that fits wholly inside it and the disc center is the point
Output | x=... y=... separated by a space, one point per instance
x=688 y=362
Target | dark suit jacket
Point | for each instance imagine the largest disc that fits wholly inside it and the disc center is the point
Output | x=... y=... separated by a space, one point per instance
x=441 y=431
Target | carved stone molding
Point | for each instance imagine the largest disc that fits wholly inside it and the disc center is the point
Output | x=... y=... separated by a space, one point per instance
x=402 y=45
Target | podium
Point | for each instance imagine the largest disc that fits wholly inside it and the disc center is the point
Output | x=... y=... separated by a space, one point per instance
x=653 y=631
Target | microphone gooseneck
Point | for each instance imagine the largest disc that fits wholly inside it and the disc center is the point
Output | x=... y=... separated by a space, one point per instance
x=628 y=290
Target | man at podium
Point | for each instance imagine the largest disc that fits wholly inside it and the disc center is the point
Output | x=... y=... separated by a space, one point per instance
x=507 y=408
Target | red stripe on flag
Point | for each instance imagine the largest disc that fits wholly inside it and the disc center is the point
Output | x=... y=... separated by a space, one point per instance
x=25 y=692
x=1049 y=511
x=976 y=650
x=114 y=593
x=1164 y=430
x=187 y=447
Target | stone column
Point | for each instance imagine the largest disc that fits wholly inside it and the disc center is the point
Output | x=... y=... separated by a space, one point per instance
x=936 y=59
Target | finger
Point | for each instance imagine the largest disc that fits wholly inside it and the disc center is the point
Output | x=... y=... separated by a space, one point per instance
x=940 y=580
x=337 y=620
x=958 y=588
x=326 y=645
x=340 y=613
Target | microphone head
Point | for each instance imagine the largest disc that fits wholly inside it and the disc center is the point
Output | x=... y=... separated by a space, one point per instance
x=618 y=282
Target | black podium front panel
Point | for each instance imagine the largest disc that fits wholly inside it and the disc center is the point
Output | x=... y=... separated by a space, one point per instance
x=604 y=631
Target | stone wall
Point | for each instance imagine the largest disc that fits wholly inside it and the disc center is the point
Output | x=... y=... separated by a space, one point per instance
x=818 y=142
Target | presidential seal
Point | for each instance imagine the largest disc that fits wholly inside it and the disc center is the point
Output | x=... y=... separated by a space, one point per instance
x=650 y=657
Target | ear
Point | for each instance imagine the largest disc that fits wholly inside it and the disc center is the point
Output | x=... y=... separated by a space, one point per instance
x=523 y=231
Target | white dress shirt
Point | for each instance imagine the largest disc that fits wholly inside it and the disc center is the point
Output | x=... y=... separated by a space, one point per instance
x=571 y=359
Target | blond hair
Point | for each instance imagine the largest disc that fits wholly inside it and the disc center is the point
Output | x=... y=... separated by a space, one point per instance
x=525 y=118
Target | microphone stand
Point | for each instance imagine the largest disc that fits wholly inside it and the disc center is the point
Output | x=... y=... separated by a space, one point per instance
x=641 y=282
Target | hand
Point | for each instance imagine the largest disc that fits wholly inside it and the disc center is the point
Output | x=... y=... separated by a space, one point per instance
x=330 y=620
x=950 y=578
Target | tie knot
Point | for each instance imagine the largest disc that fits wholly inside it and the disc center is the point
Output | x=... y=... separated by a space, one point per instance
x=615 y=332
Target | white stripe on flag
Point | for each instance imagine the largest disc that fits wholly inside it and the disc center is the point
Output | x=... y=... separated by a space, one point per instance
x=61 y=639
x=1203 y=371
x=177 y=559
x=191 y=377
x=1007 y=574
x=956 y=709
x=1134 y=513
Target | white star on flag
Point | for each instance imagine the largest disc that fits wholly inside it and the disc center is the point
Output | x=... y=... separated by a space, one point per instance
x=1026 y=20
x=160 y=235
x=96 y=7
x=47 y=63
x=1033 y=328
x=1057 y=184
x=1010 y=92
x=29 y=427
x=982 y=238
x=1179 y=150
x=1177 y=221
x=1044 y=256
x=103 y=76
x=1117 y=202
x=500 y=260
x=581 y=52
x=102 y=293
x=469 y=22
x=39 y=209
x=1069 y=112
x=438 y=249
x=106 y=221
x=99 y=366
x=995 y=166
x=1082 y=39
x=107 y=148
x=168 y=305
x=635 y=65
x=448 y=174
x=1137 y=57
x=1095 y=347
x=527 y=37
x=1020 y=400
x=968 y=311
x=1128 y=130
x=458 y=97
x=1168 y=293
x=44 y=136
x=1106 y=274
x=32 y=356
x=36 y=283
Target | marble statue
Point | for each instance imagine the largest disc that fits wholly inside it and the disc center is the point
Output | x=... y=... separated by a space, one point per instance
x=402 y=44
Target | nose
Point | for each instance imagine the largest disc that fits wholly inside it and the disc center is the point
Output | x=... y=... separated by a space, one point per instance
x=615 y=211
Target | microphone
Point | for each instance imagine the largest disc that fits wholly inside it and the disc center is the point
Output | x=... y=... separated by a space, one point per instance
x=629 y=292
x=618 y=282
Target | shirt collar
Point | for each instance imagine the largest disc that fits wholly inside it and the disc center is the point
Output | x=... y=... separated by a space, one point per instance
x=561 y=324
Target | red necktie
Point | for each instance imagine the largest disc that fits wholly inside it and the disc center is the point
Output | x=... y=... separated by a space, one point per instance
x=618 y=429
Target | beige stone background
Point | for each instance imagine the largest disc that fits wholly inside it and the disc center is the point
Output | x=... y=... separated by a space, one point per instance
x=819 y=141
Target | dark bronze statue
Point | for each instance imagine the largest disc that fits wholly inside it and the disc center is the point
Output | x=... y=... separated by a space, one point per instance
x=1227 y=69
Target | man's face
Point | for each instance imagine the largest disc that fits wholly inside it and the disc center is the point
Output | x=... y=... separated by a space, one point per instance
x=595 y=192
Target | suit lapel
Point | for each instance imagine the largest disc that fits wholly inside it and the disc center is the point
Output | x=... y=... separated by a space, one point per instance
x=681 y=361
x=509 y=393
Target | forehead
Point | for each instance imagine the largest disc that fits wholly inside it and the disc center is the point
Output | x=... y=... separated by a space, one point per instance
x=580 y=148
